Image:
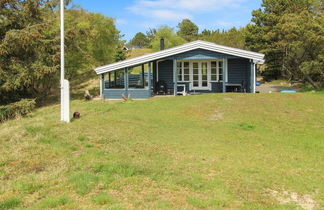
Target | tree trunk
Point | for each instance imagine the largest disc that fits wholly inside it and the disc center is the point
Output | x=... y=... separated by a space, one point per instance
x=311 y=81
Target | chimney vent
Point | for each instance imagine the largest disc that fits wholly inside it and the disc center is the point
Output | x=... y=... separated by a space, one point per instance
x=162 y=44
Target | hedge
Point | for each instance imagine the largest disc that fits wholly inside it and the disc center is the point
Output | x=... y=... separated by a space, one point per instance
x=14 y=110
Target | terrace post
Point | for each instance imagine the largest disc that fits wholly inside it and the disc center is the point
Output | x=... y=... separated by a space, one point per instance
x=126 y=81
x=149 y=76
x=102 y=85
x=224 y=75
x=175 y=82
x=252 y=77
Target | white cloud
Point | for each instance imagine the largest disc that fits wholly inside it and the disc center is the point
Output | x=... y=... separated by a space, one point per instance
x=181 y=6
x=121 y=21
x=162 y=11
x=169 y=14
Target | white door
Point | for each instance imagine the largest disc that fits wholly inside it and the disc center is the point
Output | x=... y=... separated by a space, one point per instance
x=200 y=75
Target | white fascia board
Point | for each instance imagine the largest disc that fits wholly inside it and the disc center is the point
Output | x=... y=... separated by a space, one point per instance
x=181 y=49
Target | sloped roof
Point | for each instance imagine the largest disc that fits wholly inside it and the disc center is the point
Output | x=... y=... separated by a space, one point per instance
x=256 y=57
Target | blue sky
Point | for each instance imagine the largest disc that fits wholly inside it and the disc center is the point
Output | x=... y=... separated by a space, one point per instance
x=134 y=16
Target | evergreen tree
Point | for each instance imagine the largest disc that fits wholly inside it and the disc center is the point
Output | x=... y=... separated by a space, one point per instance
x=232 y=38
x=188 y=30
x=120 y=54
x=290 y=33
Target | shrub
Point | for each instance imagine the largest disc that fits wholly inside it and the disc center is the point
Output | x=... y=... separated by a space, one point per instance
x=20 y=108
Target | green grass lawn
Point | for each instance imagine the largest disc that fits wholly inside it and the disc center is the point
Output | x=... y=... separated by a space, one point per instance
x=213 y=151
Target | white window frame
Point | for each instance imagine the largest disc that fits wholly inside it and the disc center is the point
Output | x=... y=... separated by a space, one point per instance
x=209 y=87
x=182 y=71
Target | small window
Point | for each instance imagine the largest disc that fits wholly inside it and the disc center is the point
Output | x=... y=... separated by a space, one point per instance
x=213 y=71
x=186 y=72
x=220 y=71
x=179 y=70
x=216 y=71
x=183 y=71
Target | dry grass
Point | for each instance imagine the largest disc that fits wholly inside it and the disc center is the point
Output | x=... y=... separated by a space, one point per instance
x=138 y=52
x=210 y=151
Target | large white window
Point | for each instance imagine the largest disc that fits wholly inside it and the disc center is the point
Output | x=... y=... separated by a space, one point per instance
x=183 y=71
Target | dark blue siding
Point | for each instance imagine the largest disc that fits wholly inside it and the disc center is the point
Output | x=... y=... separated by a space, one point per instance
x=139 y=93
x=238 y=71
x=166 y=73
x=217 y=87
x=113 y=94
x=134 y=93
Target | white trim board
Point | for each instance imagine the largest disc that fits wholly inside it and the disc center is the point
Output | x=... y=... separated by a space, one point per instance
x=257 y=57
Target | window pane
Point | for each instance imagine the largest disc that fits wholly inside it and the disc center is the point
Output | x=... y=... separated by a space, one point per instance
x=213 y=64
x=195 y=71
x=195 y=84
x=186 y=64
x=179 y=71
x=213 y=71
x=213 y=77
x=195 y=77
x=204 y=71
x=186 y=78
x=111 y=79
x=106 y=80
x=195 y=65
x=120 y=79
x=115 y=79
x=204 y=67
x=136 y=77
x=204 y=77
x=204 y=83
x=186 y=71
x=220 y=64
x=146 y=74
x=220 y=77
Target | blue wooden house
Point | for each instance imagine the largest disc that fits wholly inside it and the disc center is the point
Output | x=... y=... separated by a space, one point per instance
x=195 y=67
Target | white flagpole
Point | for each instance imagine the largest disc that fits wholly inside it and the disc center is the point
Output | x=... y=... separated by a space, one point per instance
x=65 y=95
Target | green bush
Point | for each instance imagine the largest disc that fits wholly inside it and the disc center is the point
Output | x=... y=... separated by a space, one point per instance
x=20 y=108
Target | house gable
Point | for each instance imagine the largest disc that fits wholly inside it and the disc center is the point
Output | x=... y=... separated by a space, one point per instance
x=196 y=45
x=200 y=54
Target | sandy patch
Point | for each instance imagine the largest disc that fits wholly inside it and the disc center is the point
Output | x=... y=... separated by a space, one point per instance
x=304 y=201
x=217 y=116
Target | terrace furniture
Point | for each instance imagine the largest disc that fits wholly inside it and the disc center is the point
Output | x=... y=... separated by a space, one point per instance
x=233 y=87
x=161 y=88
x=182 y=90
